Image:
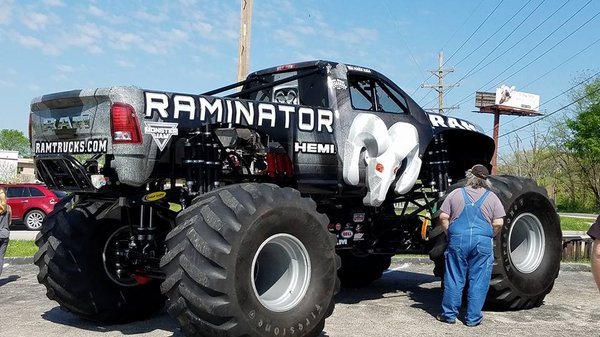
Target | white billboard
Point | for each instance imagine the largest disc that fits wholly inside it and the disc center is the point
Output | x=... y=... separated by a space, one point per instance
x=508 y=96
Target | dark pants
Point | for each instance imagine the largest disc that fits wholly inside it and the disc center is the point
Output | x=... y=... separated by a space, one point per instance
x=3 y=245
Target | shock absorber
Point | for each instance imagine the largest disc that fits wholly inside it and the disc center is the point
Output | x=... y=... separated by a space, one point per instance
x=439 y=165
x=188 y=163
x=209 y=159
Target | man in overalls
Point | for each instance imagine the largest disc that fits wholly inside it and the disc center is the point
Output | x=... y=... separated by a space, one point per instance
x=470 y=216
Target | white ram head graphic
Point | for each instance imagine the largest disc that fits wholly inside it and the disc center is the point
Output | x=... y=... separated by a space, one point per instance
x=385 y=150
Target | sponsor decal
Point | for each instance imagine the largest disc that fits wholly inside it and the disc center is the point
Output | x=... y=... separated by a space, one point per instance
x=359 y=236
x=74 y=122
x=331 y=227
x=341 y=242
x=154 y=196
x=361 y=69
x=358 y=217
x=338 y=226
x=449 y=122
x=337 y=84
x=347 y=234
x=92 y=145
x=161 y=132
x=227 y=110
x=318 y=148
x=287 y=95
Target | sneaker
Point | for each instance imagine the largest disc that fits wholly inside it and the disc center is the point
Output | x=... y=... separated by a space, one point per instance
x=472 y=324
x=443 y=319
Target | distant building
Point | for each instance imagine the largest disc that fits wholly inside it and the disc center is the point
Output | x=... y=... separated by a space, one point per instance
x=14 y=169
x=8 y=166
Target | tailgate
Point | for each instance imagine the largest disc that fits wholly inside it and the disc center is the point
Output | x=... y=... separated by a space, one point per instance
x=67 y=128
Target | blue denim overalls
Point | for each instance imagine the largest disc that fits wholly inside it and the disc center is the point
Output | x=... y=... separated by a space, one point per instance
x=469 y=253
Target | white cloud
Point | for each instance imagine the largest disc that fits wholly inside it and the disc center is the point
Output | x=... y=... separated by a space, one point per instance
x=95 y=11
x=7 y=84
x=288 y=38
x=150 y=17
x=25 y=40
x=34 y=87
x=5 y=12
x=53 y=3
x=35 y=21
x=125 y=64
x=65 y=68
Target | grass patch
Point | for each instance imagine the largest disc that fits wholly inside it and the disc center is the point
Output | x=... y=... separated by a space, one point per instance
x=575 y=224
x=20 y=248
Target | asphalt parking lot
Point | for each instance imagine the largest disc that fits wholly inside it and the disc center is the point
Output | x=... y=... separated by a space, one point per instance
x=402 y=303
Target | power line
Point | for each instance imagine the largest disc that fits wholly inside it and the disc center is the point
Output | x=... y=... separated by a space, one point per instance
x=405 y=43
x=515 y=44
x=524 y=37
x=554 y=46
x=503 y=40
x=467 y=40
x=470 y=71
x=476 y=30
x=493 y=34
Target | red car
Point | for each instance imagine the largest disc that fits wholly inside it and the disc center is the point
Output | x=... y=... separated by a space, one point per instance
x=30 y=203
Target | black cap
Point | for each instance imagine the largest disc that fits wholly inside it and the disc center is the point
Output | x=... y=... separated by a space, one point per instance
x=480 y=171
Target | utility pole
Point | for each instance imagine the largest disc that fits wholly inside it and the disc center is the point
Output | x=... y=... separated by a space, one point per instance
x=440 y=73
x=244 y=50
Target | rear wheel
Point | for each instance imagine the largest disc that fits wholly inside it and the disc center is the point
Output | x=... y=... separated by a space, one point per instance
x=527 y=252
x=33 y=219
x=73 y=245
x=251 y=260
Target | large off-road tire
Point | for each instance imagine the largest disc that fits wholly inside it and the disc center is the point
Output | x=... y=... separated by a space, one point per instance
x=251 y=260
x=360 y=271
x=527 y=252
x=70 y=260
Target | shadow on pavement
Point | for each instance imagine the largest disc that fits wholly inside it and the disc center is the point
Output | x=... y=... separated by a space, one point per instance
x=160 y=321
x=9 y=279
x=398 y=283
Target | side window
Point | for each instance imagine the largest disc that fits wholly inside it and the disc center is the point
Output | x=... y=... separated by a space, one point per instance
x=35 y=192
x=15 y=192
x=361 y=93
x=374 y=95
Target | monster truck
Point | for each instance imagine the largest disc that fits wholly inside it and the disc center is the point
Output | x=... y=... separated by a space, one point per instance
x=244 y=211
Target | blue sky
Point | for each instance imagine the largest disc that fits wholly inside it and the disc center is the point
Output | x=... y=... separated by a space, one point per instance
x=191 y=46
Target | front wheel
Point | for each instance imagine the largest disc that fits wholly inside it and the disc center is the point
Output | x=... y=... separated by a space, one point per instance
x=251 y=260
x=33 y=219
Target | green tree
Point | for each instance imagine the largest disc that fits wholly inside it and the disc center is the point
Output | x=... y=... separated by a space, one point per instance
x=14 y=140
x=584 y=142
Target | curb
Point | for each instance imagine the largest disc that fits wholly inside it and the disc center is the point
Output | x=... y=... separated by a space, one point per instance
x=18 y=260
